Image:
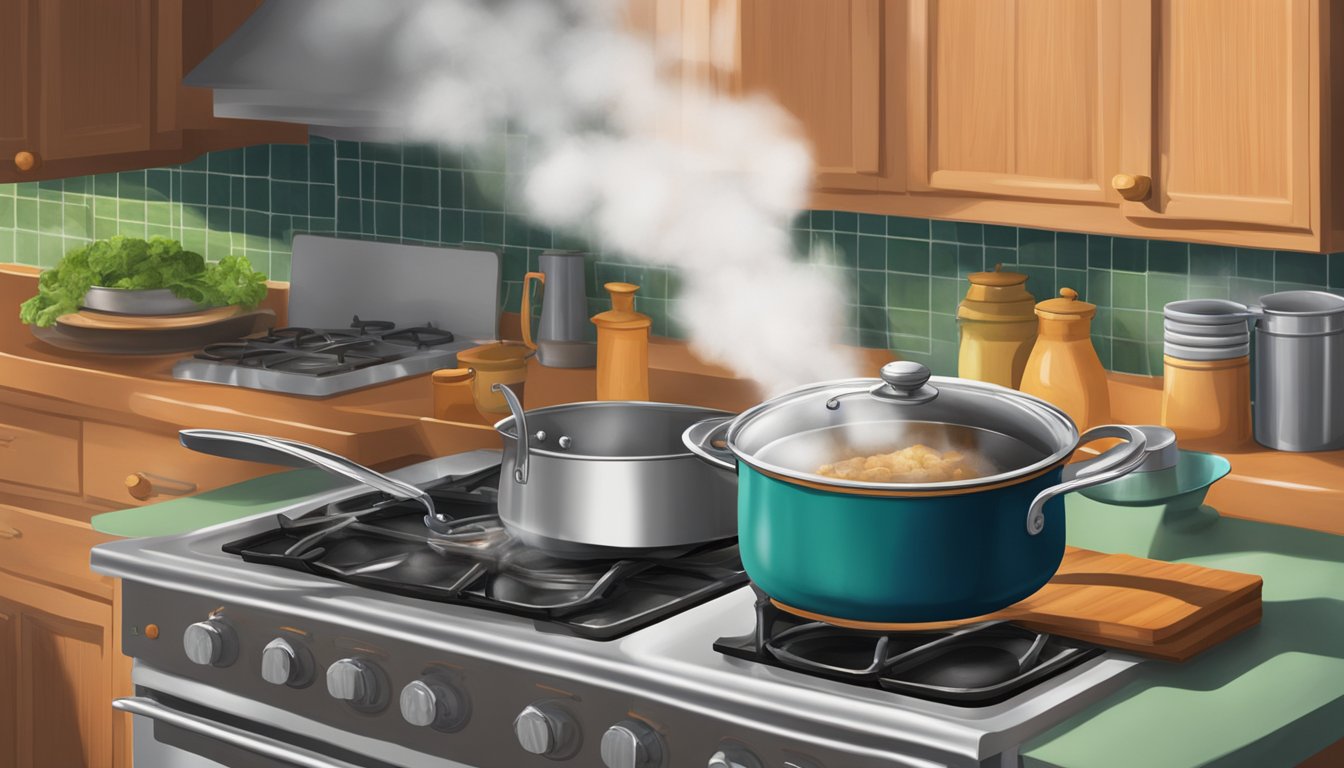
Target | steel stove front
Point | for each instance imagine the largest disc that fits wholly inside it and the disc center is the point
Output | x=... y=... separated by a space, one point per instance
x=308 y=661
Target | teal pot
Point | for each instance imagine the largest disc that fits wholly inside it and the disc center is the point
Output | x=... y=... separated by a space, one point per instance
x=896 y=552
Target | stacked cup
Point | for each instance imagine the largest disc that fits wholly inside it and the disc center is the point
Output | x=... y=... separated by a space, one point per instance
x=1206 y=329
x=1206 y=388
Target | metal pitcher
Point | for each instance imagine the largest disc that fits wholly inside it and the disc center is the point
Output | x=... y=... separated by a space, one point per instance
x=562 y=340
x=1299 y=371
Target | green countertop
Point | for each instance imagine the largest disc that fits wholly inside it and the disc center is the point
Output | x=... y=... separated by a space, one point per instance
x=1271 y=696
x=218 y=506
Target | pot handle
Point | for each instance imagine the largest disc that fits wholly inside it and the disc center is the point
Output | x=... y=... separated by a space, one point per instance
x=520 y=423
x=1111 y=465
x=707 y=439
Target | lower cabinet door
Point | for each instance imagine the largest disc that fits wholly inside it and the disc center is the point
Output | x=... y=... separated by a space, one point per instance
x=61 y=663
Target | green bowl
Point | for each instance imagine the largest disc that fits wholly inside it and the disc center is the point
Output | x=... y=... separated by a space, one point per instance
x=1179 y=489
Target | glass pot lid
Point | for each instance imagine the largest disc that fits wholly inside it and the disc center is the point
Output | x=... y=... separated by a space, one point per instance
x=906 y=431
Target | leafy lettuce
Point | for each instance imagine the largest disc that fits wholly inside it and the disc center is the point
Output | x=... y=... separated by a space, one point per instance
x=129 y=262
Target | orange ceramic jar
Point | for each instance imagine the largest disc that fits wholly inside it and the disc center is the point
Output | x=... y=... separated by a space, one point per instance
x=1063 y=368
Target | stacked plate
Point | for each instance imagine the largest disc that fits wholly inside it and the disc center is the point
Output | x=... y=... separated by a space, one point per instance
x=1206 y=329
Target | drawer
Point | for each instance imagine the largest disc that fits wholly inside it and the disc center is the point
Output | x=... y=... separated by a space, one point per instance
x=130 y=467
x=39 y=449
x=51 y=548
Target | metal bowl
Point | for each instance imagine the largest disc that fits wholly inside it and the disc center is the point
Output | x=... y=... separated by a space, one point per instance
x=125 y=301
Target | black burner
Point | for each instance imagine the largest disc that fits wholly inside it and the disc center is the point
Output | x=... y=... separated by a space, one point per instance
x=384 y=544
x=310 y=352
x=971 y=666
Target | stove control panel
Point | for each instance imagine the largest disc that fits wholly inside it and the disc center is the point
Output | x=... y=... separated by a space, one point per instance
x=434 y=702
x=358 y=682
x=210 y=643
x=286 y=663
x=548 y=730
x=632 y=744
x=733 y=756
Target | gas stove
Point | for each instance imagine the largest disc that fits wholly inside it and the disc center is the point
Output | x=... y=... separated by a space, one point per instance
x=320 y=363
x=339 y=631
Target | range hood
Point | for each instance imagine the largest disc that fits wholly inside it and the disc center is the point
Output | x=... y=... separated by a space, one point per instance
x=328 y=64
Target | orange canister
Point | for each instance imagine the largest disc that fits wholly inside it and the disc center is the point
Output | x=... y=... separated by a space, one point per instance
x=1207 y=402
x=1063 y=367
x=998 y=328
x=500 y=363
x=622 y=347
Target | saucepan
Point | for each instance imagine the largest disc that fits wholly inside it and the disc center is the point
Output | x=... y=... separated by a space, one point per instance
x=611 y=479
x=984 y=536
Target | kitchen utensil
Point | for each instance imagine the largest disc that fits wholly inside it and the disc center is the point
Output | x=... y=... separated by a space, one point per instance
x=1125 y=602
x=998 y=327
x=112 y=341
x=1205 y=354
x=562 y=339
x=125 y=301
x=100 y=321
x=1063 y=367
x=1235 y=329
x=1299 y=371
x=1199 y=341
x=1207 y=312
x=1182 y=491
x=262 y=449
x=611 y=479
x=1197 y=332
x=491 y=364
x=904 y=551
x=1207 y=400
x=454 y=398
x=622 y=347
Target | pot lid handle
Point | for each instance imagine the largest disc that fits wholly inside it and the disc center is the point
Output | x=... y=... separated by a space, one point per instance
x=905 y=382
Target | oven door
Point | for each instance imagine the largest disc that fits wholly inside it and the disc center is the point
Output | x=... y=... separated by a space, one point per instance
x=171 y=733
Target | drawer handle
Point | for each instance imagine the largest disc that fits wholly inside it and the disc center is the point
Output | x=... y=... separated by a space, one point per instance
x=145 y=485
x=10 y=533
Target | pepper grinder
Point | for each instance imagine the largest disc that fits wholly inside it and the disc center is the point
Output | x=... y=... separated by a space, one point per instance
x=1063 y=368
x=622 y=347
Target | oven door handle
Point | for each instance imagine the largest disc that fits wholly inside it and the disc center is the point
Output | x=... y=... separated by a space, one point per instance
x=228 y=734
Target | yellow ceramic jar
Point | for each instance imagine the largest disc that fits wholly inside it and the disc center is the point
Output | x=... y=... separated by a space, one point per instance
x=1063 y=368
x=998 y=328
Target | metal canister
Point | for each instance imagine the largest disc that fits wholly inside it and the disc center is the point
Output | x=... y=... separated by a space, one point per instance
x=1299 y=371
x=998 y=327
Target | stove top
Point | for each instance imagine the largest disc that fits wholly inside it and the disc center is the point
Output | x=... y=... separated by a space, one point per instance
x=972 y=666
x=324 y=362
x=382 y=543
x=517 y=656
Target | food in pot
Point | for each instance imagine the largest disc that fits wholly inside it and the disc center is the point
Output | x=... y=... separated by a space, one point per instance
x=913 y=464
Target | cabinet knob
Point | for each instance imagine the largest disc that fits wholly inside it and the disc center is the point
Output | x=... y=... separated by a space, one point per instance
x=143 y=485
x=139 y=486
x=1132 y=187
x=25 y=161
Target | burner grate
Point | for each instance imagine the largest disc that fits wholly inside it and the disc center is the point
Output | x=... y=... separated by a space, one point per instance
x=469 y=558
x=972 y=665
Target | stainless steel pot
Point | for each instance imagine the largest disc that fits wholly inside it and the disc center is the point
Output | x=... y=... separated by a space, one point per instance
x=611 y=479
x=1299 y=371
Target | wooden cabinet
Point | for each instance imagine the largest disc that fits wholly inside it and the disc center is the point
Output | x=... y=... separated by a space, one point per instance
x=39 y=449
x=59 y=654
x=90 y=87
x=1202 y=120
x=835 y=66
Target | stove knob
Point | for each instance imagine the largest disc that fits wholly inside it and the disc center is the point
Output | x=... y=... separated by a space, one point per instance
x=733 y=757
x=209 y=643
x=432 y=702
x=631 y=744
x=546 y=730
x=282 y=663
x=356 y=681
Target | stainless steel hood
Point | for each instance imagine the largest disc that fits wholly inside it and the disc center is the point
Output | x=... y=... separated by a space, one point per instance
x=328 y=64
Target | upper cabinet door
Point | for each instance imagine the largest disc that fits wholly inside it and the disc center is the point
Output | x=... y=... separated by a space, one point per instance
x=834 y=64
x=1234 y=112
x=1020 y=98
x=96 y=78
x=17 y=87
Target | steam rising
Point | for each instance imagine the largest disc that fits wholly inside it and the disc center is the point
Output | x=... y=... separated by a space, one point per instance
x=664 y=171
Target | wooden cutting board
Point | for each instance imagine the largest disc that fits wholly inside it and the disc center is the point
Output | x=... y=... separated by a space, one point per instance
x=106 y=321
x=1167 y=610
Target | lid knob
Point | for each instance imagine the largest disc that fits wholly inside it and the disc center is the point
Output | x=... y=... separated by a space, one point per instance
x=905 y=381
x=1069 y=294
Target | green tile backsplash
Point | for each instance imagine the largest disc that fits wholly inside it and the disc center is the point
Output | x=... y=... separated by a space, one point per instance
x=906 y=275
